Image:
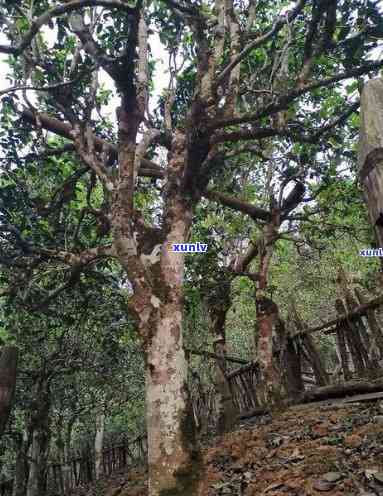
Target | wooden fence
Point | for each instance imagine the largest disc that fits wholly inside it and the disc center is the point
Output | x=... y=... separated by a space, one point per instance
x=243 y=386
x=358 y=340
x=6 y=488
x=80 y=471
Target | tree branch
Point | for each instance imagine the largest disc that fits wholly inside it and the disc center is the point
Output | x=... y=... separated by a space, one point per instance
x=58 y=11
x=254 y=212
x=81 y=259
x=147 y=168
x=285 y=100
x=278 y=25
x=85 y=146
x=243 y=261
x=51 y=87
x=93 y=48
x=191 y=11
x=268 y=132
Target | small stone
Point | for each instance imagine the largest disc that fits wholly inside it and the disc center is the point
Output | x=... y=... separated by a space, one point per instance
x=237 y=467
x=319 y=431
x=378 y=476
x=378 y=419
x=273 y=487
x=353 y=441
x=360 y=419
x=336 y=428
x=332 y=476
x=333 y=419
x=323 y=485
x=370 y=472
x=273 y=440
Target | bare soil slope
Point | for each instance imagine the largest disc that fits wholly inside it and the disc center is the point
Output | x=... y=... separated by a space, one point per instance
x=313 y=450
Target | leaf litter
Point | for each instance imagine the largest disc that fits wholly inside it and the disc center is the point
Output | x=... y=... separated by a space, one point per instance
x=305 y=451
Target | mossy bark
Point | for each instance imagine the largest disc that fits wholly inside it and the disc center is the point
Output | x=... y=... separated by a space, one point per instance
x=8 y=368
x=218 y=302
x=170 y=423
x=173 y=457
x=39 y=428
x=269 y=387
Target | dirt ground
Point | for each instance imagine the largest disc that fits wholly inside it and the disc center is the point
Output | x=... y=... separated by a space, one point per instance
x=305 y=451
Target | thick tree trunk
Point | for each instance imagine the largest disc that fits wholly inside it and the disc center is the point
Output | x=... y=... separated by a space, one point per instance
x=156 y=274
x=99 y=443
x=371 y=152
x=352 y=339
x=225 y=408
x=316 y=362
x=376 y=332
x=172 y=469
x=218 y=302
x=269 y=388
x=39 y=428
x=8 y=369
x=293 y=368
x=174 y=462
x=38 y=465
x=361 y=332
x=67 y=469
x=309 y=349
x=21 y=466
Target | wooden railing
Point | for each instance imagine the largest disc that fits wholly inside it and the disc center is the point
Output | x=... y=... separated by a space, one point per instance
x=6 y=488
x=358 y=344
x=80 y=470
x=243 y=388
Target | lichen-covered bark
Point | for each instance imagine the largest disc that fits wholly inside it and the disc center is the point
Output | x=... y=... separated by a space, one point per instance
x=39 y=430
x=8 y=368
x=21 y=465
x=268 y=390
x=171 y=439
x=99 y=443
x=170 y=425
x=293 y=369
x=371 y=152
x=225 y=408
x=157 y=304
x=218 y=301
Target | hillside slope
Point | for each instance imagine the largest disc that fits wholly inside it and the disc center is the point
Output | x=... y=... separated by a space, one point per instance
x=306 y=451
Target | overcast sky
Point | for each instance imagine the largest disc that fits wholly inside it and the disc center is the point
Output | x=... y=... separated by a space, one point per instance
x=161 y=73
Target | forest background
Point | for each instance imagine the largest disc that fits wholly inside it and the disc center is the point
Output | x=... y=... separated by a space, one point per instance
x=282 y=159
